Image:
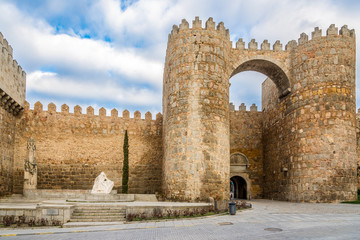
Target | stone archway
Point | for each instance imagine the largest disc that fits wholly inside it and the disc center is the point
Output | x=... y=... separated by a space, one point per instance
x=196 y=122
x=240 y=187
x=271 y=68
x=239 y=176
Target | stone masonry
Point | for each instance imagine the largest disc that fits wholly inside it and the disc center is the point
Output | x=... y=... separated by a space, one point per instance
x=74 y=148
x=308 y=129
x=246 y=138
x=196 y=113
x=12 y=97
x=301 y=145
x=12 y=79
x=310 y=135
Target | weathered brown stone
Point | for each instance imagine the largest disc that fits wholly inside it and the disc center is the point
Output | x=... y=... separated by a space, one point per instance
x=308 y=115
x=302 y=146
x=7 y=142
x=73 y=149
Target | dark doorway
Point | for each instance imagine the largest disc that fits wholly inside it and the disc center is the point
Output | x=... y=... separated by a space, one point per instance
x=239 y=187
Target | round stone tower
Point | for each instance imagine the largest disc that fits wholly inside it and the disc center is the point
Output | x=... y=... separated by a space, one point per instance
x=324 y=160
x=309 y=136
x=196 y=116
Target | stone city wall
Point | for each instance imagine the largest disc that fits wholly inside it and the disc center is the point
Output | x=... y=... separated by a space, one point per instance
x=301 y=147
x=72 y=149
x=246 y=138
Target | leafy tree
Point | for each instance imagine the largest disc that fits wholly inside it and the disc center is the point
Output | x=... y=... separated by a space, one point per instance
x=125 y=178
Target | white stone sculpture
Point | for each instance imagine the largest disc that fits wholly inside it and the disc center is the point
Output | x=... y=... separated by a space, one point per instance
x=102 y=184
x=30 y=166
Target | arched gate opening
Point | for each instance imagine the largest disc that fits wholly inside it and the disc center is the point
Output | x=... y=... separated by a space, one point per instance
x=238 y=187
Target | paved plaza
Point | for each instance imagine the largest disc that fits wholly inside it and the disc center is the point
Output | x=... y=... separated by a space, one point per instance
x=267 y=220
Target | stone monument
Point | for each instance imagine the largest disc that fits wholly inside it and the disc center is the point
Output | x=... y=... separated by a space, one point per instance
x=30 y=166
x=102 y=184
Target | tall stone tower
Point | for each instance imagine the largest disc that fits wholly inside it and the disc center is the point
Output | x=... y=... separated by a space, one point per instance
x=196 y=112
x=12 y=101
x=309 y=136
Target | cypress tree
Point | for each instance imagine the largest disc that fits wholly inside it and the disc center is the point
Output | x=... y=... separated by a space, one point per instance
x=125 y=177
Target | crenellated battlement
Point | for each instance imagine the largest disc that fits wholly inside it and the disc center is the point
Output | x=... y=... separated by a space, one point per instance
x=317 y=33
x=304 y=38
x=114 y=113
x=242 y=108
x=12 y=86
x=265 y=45
x=5 y=45
x=197 y=25
x=7 y=52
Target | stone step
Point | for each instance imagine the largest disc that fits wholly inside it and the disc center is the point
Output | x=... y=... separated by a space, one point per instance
x=97 y=220
x=99 y=210
x=97 y=201
x=99 y=207
x=98 y=217
x=99 y=214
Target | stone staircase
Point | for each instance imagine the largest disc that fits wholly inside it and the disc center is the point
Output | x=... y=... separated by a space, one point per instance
x=98 y=213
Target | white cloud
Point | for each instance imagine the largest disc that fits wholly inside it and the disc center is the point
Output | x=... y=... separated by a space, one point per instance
x=289 y=19
x=90 y=55
x=133 y=61
x=42 y=46
x=51 y=83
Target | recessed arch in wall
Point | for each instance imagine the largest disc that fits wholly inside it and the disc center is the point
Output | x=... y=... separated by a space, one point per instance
x=239 y=159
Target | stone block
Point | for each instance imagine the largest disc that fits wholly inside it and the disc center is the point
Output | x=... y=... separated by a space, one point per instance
x=50 y=212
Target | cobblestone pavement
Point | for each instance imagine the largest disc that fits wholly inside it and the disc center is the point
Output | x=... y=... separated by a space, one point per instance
x=267 y=220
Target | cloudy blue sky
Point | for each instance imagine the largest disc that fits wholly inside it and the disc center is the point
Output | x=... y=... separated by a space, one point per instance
x=110 y=53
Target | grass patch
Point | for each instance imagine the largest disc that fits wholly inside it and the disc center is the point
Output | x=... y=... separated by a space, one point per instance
x=354 y=202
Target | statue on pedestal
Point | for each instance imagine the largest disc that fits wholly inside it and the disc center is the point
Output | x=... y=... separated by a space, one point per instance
x=30 y=166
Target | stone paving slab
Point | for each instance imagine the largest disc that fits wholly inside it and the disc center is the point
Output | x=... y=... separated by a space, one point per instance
x=137 y=203
x=262 y=216
x=89 y=224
